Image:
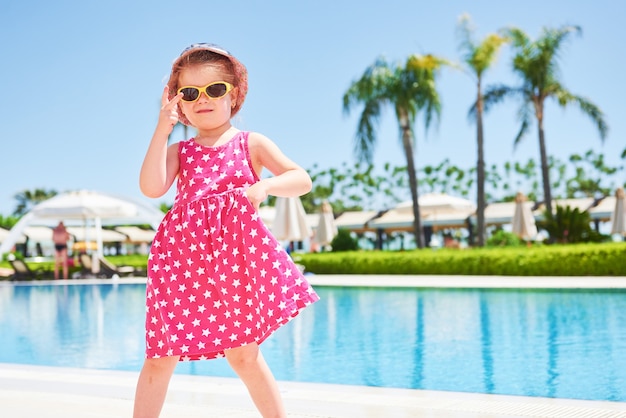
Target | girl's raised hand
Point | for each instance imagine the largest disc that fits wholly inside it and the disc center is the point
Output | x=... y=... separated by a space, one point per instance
x=168 y=117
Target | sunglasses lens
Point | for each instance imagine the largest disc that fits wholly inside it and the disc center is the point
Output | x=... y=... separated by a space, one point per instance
x=216 y=90
x=190 y=94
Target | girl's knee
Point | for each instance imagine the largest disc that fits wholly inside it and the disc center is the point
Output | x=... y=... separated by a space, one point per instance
x=242 y=357
x=162 y=364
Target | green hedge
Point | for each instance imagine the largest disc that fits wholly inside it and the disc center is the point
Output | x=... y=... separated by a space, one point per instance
x=607 y=259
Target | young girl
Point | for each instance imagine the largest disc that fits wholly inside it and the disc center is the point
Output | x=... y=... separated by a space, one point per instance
x=218 y=282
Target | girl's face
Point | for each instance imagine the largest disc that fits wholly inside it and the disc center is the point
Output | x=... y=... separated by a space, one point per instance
x=206 y=113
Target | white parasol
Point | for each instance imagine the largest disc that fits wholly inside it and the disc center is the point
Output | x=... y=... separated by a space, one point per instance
x=85 y=205
x=326 y=228
x=290 y=221
x=523 y=223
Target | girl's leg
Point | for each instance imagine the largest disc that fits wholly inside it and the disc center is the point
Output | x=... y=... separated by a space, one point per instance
x=152 y=386
x=250 y=366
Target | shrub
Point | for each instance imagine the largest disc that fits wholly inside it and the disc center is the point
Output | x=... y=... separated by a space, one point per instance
x=606 y=259
x=503 y=238
x=343 y=241
x=569 y=225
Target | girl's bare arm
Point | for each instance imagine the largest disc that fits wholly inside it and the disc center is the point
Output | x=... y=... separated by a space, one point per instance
x=160 y=165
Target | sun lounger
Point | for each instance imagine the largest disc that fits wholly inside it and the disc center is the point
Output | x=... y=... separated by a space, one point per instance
x=107 y=269
x=23 y=272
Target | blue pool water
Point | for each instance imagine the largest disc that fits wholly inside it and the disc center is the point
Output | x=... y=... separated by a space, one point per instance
x=551 y=343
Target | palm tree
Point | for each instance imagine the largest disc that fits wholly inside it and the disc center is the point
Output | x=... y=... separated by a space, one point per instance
x=536 y=62
x=409 y=89
x=27 y=199
x=478 y=57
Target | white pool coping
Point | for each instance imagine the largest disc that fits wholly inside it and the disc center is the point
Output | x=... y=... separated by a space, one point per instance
x=51 y=392
x=416 y=281
x=41 y=391
x=444 y=281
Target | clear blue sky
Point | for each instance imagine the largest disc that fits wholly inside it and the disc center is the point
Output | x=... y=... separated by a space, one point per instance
x=81 y=80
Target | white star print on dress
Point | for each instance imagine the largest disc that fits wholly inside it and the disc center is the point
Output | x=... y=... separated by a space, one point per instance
x=217 y=278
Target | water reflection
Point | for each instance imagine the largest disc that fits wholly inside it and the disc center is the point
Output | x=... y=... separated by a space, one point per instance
x=486 y=349
x=74 y=326
x=569 y=344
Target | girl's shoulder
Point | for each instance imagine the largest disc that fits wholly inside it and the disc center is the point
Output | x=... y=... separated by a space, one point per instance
x=262 y=148
x=177 y=145
x=257 y=139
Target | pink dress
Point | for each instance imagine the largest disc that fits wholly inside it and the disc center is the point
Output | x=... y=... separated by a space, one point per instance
x=217 y=278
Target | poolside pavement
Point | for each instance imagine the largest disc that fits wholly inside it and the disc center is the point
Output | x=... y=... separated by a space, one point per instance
x=40 y=391
x=53 y=392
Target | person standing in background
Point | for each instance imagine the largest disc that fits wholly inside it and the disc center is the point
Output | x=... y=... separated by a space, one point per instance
x=60 y=237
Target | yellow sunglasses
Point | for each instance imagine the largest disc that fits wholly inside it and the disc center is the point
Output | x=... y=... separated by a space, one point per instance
x=213 y=90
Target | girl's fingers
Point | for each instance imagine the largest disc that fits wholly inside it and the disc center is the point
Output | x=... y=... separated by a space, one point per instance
x=169 y=108
x=164 y=96
x=176 y=99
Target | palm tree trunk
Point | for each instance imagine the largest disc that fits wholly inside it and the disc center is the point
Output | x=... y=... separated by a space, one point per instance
x=480 y=171
x=545 y=169
x=407 y=144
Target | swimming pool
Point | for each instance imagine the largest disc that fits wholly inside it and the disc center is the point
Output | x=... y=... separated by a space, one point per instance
x=552 y=343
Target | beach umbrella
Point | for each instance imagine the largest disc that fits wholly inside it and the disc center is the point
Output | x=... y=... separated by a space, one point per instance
x=523 y=223
x=326 y=228
x=618 y=218
x=84 y=206
x=290 y=221
x=81 y=233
